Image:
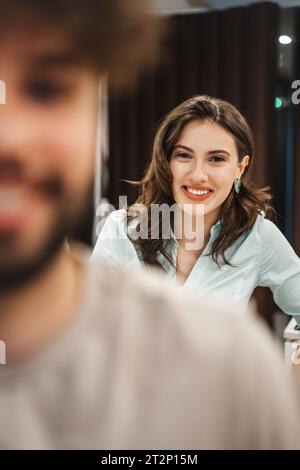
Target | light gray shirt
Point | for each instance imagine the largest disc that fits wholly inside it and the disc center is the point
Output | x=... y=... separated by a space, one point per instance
x=148 y=365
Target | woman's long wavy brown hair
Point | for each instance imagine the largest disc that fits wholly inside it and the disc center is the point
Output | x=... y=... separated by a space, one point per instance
x=238 y=213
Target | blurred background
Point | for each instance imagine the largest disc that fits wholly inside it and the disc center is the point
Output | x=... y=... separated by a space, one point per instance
x=245 y=52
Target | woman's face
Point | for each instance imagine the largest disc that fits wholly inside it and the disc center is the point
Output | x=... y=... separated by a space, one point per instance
x=204 y=165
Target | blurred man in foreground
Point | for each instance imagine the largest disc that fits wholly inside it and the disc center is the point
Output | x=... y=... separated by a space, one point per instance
x=96 y=358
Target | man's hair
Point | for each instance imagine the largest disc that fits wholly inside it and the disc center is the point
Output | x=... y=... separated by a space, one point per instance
x=118 y=37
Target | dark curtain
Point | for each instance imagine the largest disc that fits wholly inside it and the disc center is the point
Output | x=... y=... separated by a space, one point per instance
x=228 y=54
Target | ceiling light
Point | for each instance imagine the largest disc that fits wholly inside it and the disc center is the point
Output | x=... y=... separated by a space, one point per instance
x=285 y=40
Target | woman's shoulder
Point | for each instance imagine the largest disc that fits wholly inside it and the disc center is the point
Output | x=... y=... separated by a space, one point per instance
x=117 y=216
x=117 y=227
x=262 y=231
x=113 y=243
x=265 y=226
x=114 y=226
x=268 y=233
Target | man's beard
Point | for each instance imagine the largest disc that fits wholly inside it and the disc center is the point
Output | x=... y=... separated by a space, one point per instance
x=71 y=210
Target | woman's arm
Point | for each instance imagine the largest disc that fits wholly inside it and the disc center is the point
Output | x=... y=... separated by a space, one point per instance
x=279 y=269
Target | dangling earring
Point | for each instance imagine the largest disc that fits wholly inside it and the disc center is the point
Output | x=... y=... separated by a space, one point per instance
x=237 y=185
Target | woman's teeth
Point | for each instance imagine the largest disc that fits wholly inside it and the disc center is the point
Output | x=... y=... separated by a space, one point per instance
x=197 y=192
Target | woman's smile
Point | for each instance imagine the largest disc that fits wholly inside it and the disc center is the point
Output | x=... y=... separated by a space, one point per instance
x=197 y=193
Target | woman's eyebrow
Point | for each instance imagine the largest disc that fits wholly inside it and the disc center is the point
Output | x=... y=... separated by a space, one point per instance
x=211 y=152
x=183 y=147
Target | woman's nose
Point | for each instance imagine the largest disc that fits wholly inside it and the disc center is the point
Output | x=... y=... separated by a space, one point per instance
x=198 y=173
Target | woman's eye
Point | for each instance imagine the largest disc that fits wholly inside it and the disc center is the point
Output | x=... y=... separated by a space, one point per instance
x=44 y=91
x=218 y=158
x=183 y=155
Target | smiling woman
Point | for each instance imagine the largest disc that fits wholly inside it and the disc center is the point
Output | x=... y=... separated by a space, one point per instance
x=202 y=157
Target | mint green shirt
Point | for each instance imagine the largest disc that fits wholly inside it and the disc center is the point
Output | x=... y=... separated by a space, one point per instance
x=262 y=255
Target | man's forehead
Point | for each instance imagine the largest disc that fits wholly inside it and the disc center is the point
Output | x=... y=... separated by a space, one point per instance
x=38 y=50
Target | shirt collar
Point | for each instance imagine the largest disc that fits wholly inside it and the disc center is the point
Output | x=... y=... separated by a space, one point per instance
x=213 y=231
x=217 y=224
